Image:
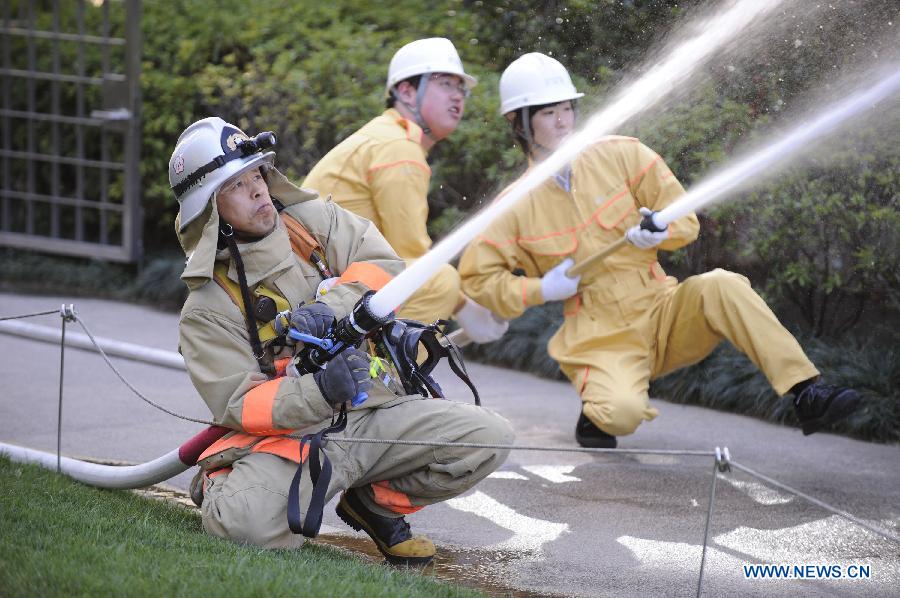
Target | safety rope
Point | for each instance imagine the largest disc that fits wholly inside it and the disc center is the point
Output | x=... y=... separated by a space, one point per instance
x=40 y=313
x=525 y=447
x=128 y=384
x=819 y=503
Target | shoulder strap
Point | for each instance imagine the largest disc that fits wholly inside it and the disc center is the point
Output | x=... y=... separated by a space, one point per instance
x=305 y=245
x=267 y=329
x=401 y=340
x=220 y=275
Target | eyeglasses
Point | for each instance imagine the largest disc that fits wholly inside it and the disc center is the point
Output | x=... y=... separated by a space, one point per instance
x=450 y=85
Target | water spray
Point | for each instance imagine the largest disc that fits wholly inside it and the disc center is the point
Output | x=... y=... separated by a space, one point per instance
x=659 y=81
x=766 y=159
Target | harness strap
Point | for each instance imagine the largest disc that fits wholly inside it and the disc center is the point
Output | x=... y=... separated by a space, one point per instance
x=305 y=245
x=454 y=357
x=264 y=366
x=266 y=329
x=401 y=343
x=320 y=476
x=458 y=366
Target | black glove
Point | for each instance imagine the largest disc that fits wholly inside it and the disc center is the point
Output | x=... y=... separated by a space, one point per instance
x=344 y=377
x=315 y=319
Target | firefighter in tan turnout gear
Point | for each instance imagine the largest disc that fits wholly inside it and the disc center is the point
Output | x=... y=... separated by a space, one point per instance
x=626 y=322
x=257 y=245
x=381 y=173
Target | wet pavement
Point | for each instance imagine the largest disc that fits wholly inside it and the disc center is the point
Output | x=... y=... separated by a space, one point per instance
x=567 y=524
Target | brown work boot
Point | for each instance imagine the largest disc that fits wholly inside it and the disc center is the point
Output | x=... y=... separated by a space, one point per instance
x=391 y=534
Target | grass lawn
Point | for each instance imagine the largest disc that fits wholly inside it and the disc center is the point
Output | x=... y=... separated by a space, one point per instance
x=61 y=538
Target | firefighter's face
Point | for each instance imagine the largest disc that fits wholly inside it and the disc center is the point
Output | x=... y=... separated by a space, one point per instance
x=244 y=203
x=551 y=125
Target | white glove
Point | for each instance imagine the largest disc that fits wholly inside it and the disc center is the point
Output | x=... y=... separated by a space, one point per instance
x=556 y=285
x=645 y=239
x=480 y=323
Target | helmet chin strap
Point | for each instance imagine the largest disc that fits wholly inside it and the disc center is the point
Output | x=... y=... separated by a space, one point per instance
x=227 y=235
x=417 y=109
x=534 y=148
x=529 y=137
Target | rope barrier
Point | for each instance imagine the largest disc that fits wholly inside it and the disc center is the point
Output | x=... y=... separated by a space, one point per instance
x=852 y=518
x=130 y=386
x=42 y=313
x=521 y=447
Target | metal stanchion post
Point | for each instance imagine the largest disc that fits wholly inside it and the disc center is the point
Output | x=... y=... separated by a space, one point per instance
x=66 y=314
x=722 y=464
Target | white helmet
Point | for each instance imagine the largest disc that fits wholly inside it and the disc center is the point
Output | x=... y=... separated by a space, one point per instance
x=535 y=79
x=209 y=153
x=431 y=55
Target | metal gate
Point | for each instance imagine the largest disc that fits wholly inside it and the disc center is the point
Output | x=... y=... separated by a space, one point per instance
x=70 y=138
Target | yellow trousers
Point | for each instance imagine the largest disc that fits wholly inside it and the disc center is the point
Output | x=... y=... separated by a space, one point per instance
x=632 y=327
x=436 y=299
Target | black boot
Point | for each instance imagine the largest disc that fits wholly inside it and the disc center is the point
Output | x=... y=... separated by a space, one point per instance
x=590 y=436
x=391 y=534
x=820 y=404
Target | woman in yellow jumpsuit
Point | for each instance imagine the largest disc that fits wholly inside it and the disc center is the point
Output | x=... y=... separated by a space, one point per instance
x=626 y=322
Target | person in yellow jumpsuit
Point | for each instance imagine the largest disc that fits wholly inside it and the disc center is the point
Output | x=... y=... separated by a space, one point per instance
x=237 y=214
x=381 y=173
x=626 y=322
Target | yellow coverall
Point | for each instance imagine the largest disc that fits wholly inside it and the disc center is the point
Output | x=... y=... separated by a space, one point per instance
x=381 y=173
x=629 y=322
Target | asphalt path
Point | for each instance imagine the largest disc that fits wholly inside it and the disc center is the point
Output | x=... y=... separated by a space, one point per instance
x=546 y=523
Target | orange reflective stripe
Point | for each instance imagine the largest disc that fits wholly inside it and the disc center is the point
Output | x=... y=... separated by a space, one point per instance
x=238 y=439
x=584 y=380
x=416 y=163
x=213 y=474
x=617 y=139
x=410 y=129
x=370 y=275
x=641 y=174
x=625 y=214
x=256 y=413
x=391 y=499
x=286 y=448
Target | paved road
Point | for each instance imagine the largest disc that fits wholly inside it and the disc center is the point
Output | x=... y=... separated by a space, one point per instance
x=568 y=524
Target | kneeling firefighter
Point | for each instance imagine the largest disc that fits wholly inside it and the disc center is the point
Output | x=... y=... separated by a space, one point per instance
x=258 y=246
x=625 y=321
